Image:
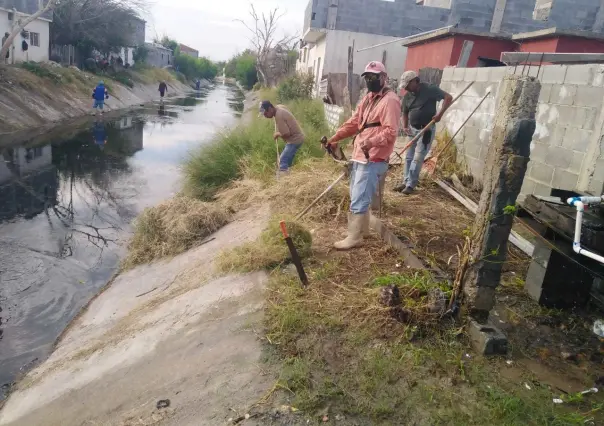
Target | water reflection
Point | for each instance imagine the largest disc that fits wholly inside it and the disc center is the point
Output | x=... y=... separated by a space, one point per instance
x=66 y=206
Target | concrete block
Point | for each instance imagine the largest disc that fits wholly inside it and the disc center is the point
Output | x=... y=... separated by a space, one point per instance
x=544 y=96
x=576 y=163
x=596 y=187
x=539 y=152
x=542 y=173
x=558 y=157
x=459 y=74
x=483 y=74
x=558 y=135
x=563 y=95
x=528 y=186
x=553 y=74
x=590 y=118
x=589 y=96
x=542 y=189
x=577 y=139
x=470 y=75
x=598 y=80
x=487 y=339
x=447 y=74
x=534 y=280
x=497 y=73
x=579 y=74
x=563 y=114
x=598 y=171
x=565 y=180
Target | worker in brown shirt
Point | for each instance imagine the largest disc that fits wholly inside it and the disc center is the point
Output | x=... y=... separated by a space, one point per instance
x=286 y=128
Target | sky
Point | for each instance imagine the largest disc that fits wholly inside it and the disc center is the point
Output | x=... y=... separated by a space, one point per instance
x=210 y=27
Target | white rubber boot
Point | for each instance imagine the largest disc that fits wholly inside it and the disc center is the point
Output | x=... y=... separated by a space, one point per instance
x=366 y=230
x=355 y=232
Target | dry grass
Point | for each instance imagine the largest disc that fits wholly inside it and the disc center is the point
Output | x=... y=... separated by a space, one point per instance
x=268 y=251
x=172 y=228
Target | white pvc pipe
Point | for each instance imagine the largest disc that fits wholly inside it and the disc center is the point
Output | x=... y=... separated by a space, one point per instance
x=580 y=203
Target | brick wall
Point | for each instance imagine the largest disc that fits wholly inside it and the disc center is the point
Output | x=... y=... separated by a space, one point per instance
x=565 y=152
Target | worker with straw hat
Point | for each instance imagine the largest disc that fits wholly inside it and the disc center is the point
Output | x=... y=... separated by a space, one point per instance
x=375 y=126
x=419 y=111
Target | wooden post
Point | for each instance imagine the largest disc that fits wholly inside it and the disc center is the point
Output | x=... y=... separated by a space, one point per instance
x=350 y=74
x=506 y=163
x=384 y=57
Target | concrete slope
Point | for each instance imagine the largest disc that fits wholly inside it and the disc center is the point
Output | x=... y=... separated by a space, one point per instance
x=169 y=330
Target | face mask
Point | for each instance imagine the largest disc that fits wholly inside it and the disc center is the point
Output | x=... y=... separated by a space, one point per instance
x=375 y=85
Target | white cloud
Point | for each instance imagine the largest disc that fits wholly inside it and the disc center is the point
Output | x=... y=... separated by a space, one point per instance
x=210 y=26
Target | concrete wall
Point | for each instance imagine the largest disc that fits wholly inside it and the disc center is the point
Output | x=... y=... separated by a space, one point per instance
x=565 y=152
x=333 y=114
x=402 y=18
x=34 y=53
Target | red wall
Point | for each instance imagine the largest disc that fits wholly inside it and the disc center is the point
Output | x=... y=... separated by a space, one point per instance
x=579 y=45
x=444 y=52
x=548 y=45
x=485 y=47
x=434 y=54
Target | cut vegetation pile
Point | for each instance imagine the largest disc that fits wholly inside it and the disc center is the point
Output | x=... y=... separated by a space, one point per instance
x=172 y=228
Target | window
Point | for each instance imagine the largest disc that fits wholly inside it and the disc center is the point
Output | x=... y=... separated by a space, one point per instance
x=313 y=16
x=34 y=39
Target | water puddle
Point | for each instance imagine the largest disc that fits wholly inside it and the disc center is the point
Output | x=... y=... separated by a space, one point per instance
x=66 y=207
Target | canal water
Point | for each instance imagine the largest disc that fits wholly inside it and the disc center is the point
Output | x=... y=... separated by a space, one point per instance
x=66 y=208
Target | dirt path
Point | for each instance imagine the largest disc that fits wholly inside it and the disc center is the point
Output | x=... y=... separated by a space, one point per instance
x=169 y=330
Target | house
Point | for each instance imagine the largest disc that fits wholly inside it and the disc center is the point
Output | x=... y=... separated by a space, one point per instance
x=36 y=35
x=188 y=51
x=331 y=26
x=159 y=56
x=137 y=38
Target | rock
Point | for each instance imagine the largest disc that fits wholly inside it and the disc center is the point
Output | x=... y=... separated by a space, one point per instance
x=437 y=301
x=487 y=339
x=390 y=296
x=162 y=403
x=568 y=356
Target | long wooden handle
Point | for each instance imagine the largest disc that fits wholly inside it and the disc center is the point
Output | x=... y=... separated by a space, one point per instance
x=329 y=188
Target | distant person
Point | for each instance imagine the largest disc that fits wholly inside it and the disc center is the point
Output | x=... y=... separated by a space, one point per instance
x=286 y=128
x=6 y=36
x=198 y=85
x=100 y=134
x=163 y=89
x=99 y=94
x=419 y=109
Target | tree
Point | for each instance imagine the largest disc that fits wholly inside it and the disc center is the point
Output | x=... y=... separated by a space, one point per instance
x=242 y=67
x=20 y=24
x=263 y=38
x=104 y=25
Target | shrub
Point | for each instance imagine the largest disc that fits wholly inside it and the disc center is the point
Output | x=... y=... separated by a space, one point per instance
x=242 y=67
x=257 y=86
x=299 y=86
x=123 y=78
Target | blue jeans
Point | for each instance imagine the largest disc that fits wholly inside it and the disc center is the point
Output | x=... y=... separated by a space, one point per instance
x=364 y=181
x=98 y=104
x=287 y=156
x=415 y=160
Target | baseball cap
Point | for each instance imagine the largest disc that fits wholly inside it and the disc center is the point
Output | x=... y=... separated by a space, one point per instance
x=374 y=67
x=264 y=105
x=407 y=77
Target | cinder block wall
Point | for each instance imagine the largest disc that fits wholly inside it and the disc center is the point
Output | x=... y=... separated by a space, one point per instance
x=565 y=152
x=333 y=115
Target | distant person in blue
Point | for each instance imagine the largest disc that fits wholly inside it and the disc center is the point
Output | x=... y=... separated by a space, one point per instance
x=99 y=94
x=163 y=89
x=198 y=85
x=100 y=134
